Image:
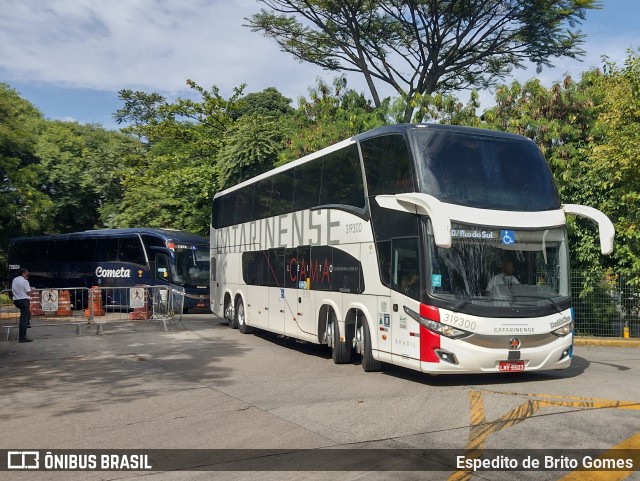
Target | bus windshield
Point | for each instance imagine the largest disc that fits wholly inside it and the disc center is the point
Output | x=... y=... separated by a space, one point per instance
x=484 y=171
x=191 y=264
x=500 y=267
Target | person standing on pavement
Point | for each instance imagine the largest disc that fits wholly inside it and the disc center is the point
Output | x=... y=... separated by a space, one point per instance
x=21 y=299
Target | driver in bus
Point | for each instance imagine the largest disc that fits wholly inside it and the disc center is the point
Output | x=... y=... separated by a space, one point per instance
x=505 y=278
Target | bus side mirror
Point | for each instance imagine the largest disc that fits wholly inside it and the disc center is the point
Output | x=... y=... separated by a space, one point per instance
x=426 y=204
x=605 y=226
x=422 y=204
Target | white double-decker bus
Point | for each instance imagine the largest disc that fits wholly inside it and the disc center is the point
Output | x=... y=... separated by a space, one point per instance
x=442 y=249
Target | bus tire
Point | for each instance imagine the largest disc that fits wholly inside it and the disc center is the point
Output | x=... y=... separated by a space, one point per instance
x=341 y=351
x=241 y=319
x=369 y=364
x=228 y=310
x=233 y=318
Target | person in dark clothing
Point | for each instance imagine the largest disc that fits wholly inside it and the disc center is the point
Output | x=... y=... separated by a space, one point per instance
x=22 y=300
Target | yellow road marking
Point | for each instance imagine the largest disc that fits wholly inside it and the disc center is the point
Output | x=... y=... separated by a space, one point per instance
x=574 y=401
x=481 y=429
x=630 y=443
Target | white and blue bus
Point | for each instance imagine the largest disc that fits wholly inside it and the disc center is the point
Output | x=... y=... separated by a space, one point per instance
x=439 y=248
x=116 y=258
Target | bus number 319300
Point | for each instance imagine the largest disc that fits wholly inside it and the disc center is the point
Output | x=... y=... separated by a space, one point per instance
x=354 y=228
x=459 y=321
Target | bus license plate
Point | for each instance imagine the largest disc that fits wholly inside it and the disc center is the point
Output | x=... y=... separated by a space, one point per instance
x=511 y=366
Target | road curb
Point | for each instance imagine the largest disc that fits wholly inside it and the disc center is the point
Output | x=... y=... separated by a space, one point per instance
x=605 y=342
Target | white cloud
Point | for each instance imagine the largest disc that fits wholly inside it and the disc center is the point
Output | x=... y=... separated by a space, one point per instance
x=140 y=44
x=155 y=45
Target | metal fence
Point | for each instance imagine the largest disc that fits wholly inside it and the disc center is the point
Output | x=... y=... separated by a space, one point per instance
x=605 y=305
x=96 y=308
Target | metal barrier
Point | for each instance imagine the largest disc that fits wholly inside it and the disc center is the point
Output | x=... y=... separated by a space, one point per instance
x=606 y=305
x=97 y=307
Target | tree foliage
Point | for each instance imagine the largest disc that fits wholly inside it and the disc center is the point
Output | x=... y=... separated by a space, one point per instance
x=331 y=113
x=56 y=176
x=611 y=162
x=81 y=173
x=24 y=206
x=588 y=131
x=420 y=47
x=164 y=167
x=172 y=182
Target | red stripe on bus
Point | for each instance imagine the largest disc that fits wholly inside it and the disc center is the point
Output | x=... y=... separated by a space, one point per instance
x=428 y=342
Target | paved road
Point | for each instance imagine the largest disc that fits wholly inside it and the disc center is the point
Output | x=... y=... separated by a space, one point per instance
x=212 y=387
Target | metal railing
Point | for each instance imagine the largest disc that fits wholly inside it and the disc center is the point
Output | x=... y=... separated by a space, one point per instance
x=96 y=307
x=605 y=304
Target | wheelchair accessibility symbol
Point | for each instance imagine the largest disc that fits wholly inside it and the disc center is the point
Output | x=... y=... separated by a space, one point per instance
x=508 y=237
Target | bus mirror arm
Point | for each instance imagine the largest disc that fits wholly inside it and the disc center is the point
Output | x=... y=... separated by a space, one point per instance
x=426 y=204
x=605 y=226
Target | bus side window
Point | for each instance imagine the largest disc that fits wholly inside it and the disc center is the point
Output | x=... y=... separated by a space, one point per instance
x=130 y=250
x=405 y=272
x=162 y=267
x=384 y=261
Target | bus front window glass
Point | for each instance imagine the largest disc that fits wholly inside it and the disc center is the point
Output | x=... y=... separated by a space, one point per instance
x=191 y=265
x=458 y=168
x=501 y=267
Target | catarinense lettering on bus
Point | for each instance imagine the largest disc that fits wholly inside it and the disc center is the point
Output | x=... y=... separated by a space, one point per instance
x=298 y=228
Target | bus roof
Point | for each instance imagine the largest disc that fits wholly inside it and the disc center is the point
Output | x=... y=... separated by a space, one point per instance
x=401 y=128
x=176 y=235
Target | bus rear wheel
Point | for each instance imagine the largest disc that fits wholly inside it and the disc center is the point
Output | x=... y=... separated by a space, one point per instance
x=369 y=364
x=229 y=313
x=340 y=351
x=241 y=319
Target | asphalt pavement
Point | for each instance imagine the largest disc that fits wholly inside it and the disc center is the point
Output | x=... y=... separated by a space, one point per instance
x=202 y=385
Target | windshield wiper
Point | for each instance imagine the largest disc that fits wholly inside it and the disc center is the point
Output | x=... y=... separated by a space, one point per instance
x=554 y=303
x=467 y=300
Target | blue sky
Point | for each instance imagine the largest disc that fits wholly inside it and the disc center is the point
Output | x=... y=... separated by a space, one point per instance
x=71 y=57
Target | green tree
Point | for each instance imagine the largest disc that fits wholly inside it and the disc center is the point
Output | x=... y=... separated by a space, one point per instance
x=421 y=47
x=194 y=148
x=560 y=120
x=611 y=161
x=81 y=168
x=251 y=148
x=588 y=131
x=24 y=206
x=331 y=113
x=269 y=103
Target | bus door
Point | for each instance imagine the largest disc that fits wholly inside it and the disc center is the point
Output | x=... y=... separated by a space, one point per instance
x=405 y=291
x=277 y=300
x=297 y=320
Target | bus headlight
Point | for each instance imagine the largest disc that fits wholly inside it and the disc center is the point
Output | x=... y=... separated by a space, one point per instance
x=437 y=327
x=564 y=330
